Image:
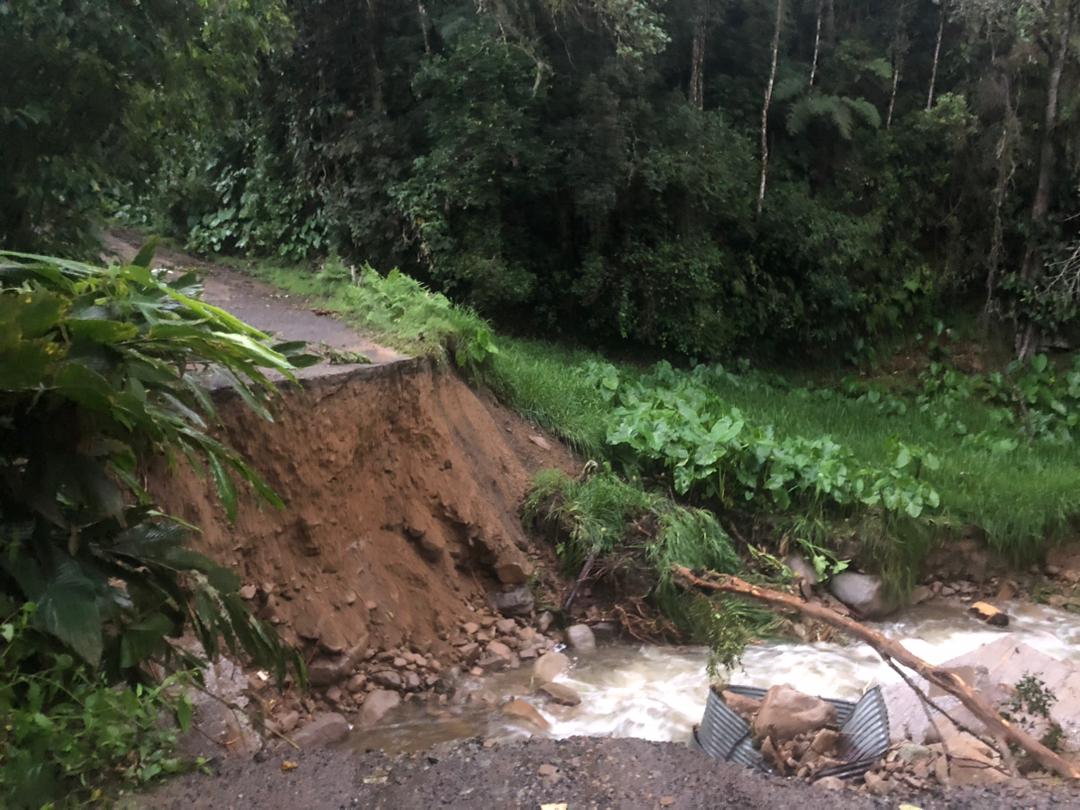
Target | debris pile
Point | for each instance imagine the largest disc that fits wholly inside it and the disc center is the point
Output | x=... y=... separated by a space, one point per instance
x=796 y=733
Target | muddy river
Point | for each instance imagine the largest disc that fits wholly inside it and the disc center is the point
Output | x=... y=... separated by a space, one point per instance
x=658 y=693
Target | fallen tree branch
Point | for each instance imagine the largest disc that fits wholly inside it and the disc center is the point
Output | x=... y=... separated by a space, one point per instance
x=944 y=679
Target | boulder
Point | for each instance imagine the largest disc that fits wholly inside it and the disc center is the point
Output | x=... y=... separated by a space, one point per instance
x=745 y=707
x=863 y=593
x=287 y=721
x=560 y=693
x=516 y=601
x=497 y=656
x=377 y=704
x=327 y=670
x=972 y=762
x=513 y=573
x=786 y=712
x=549 y=666
x=387 y=678
x=324 y=729
x=801 y=568
x=581 y=638
x=518 y=709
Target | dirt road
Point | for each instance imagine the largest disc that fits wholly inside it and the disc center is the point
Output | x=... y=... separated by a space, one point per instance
x=575 y=774
x=285 y=316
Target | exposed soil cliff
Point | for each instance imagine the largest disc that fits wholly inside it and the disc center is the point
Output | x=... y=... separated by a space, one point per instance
x=401 y=488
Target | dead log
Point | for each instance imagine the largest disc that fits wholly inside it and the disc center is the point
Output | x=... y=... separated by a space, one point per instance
x=948 y=681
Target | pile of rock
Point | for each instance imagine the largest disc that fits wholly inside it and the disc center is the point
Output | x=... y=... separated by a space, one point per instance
x=961 y=760
x=491 y=644
x=795 y=732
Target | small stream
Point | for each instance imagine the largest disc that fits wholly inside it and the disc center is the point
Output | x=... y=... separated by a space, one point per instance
x=658 y=692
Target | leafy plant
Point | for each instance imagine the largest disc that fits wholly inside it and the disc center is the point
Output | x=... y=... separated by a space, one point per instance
x=66 y=732
x=102 y=369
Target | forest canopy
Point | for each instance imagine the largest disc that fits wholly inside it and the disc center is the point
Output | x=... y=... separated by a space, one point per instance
x=700 y=177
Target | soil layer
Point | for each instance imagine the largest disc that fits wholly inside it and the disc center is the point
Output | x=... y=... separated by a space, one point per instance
x=401 y=488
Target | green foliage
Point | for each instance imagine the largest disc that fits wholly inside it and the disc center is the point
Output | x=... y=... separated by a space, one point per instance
x=104 y=369
x=634 y=536
x=673 y=422
x=95 y=92
x=66 y=732
x=398 y=310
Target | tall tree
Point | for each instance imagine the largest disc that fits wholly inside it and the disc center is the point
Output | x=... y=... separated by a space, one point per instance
x=767 y=103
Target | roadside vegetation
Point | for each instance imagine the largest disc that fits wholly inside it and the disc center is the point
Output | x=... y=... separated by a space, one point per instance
x=103 y=370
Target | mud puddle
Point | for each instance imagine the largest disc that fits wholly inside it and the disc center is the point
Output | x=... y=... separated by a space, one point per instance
x=658 y=693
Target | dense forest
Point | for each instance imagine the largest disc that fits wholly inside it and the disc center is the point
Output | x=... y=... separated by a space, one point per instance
x=697 y=176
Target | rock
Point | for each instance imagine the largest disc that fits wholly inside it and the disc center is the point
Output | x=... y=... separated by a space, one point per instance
x=497 y=656
x=1007 y=590
x=469 y=652
x=329 y=670
x=513 y=573
x=830 y=783
x=863 y=593
x=387 y=678
x=986 y=612
x=560 y=693
x=248 y=592
x=287 y=721
x=539 y=441
x=520 y=710
x=472 y=628
x=785 y=713
x=324 y=729
x=745 y=707
x=913 y=752
x=544 y=621
x=399 y=662
x=506 y=626
x=581 y=638
x=801 y=568
x=825 y=741
x=334 y=694
x=357 y=682
x=514 y=602
x=972 y=762
x=920 y=594
x=547 y=769
x=413 y=682
x=549 y=666
x=376 y=706
x=876 y=784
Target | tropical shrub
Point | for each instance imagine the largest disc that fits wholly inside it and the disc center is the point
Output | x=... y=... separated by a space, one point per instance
x=102 y=369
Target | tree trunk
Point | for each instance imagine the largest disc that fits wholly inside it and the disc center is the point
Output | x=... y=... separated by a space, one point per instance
x=766 y=104
x=425 y=25
x=937 y=57
x=1031 y=269
x=899 y=49
x=888 y=649
x=376 y=75
x=697 y=57
x=817 y=42
x=1005 y=170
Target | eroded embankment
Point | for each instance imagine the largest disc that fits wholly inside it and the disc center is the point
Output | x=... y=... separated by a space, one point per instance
x=402 y=489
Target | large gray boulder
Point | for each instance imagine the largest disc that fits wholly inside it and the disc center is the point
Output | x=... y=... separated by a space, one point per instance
x=863 y=593
x=324 y=729
x=581 y=638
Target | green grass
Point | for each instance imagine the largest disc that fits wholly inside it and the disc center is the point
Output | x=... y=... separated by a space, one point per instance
x=1023 y=499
